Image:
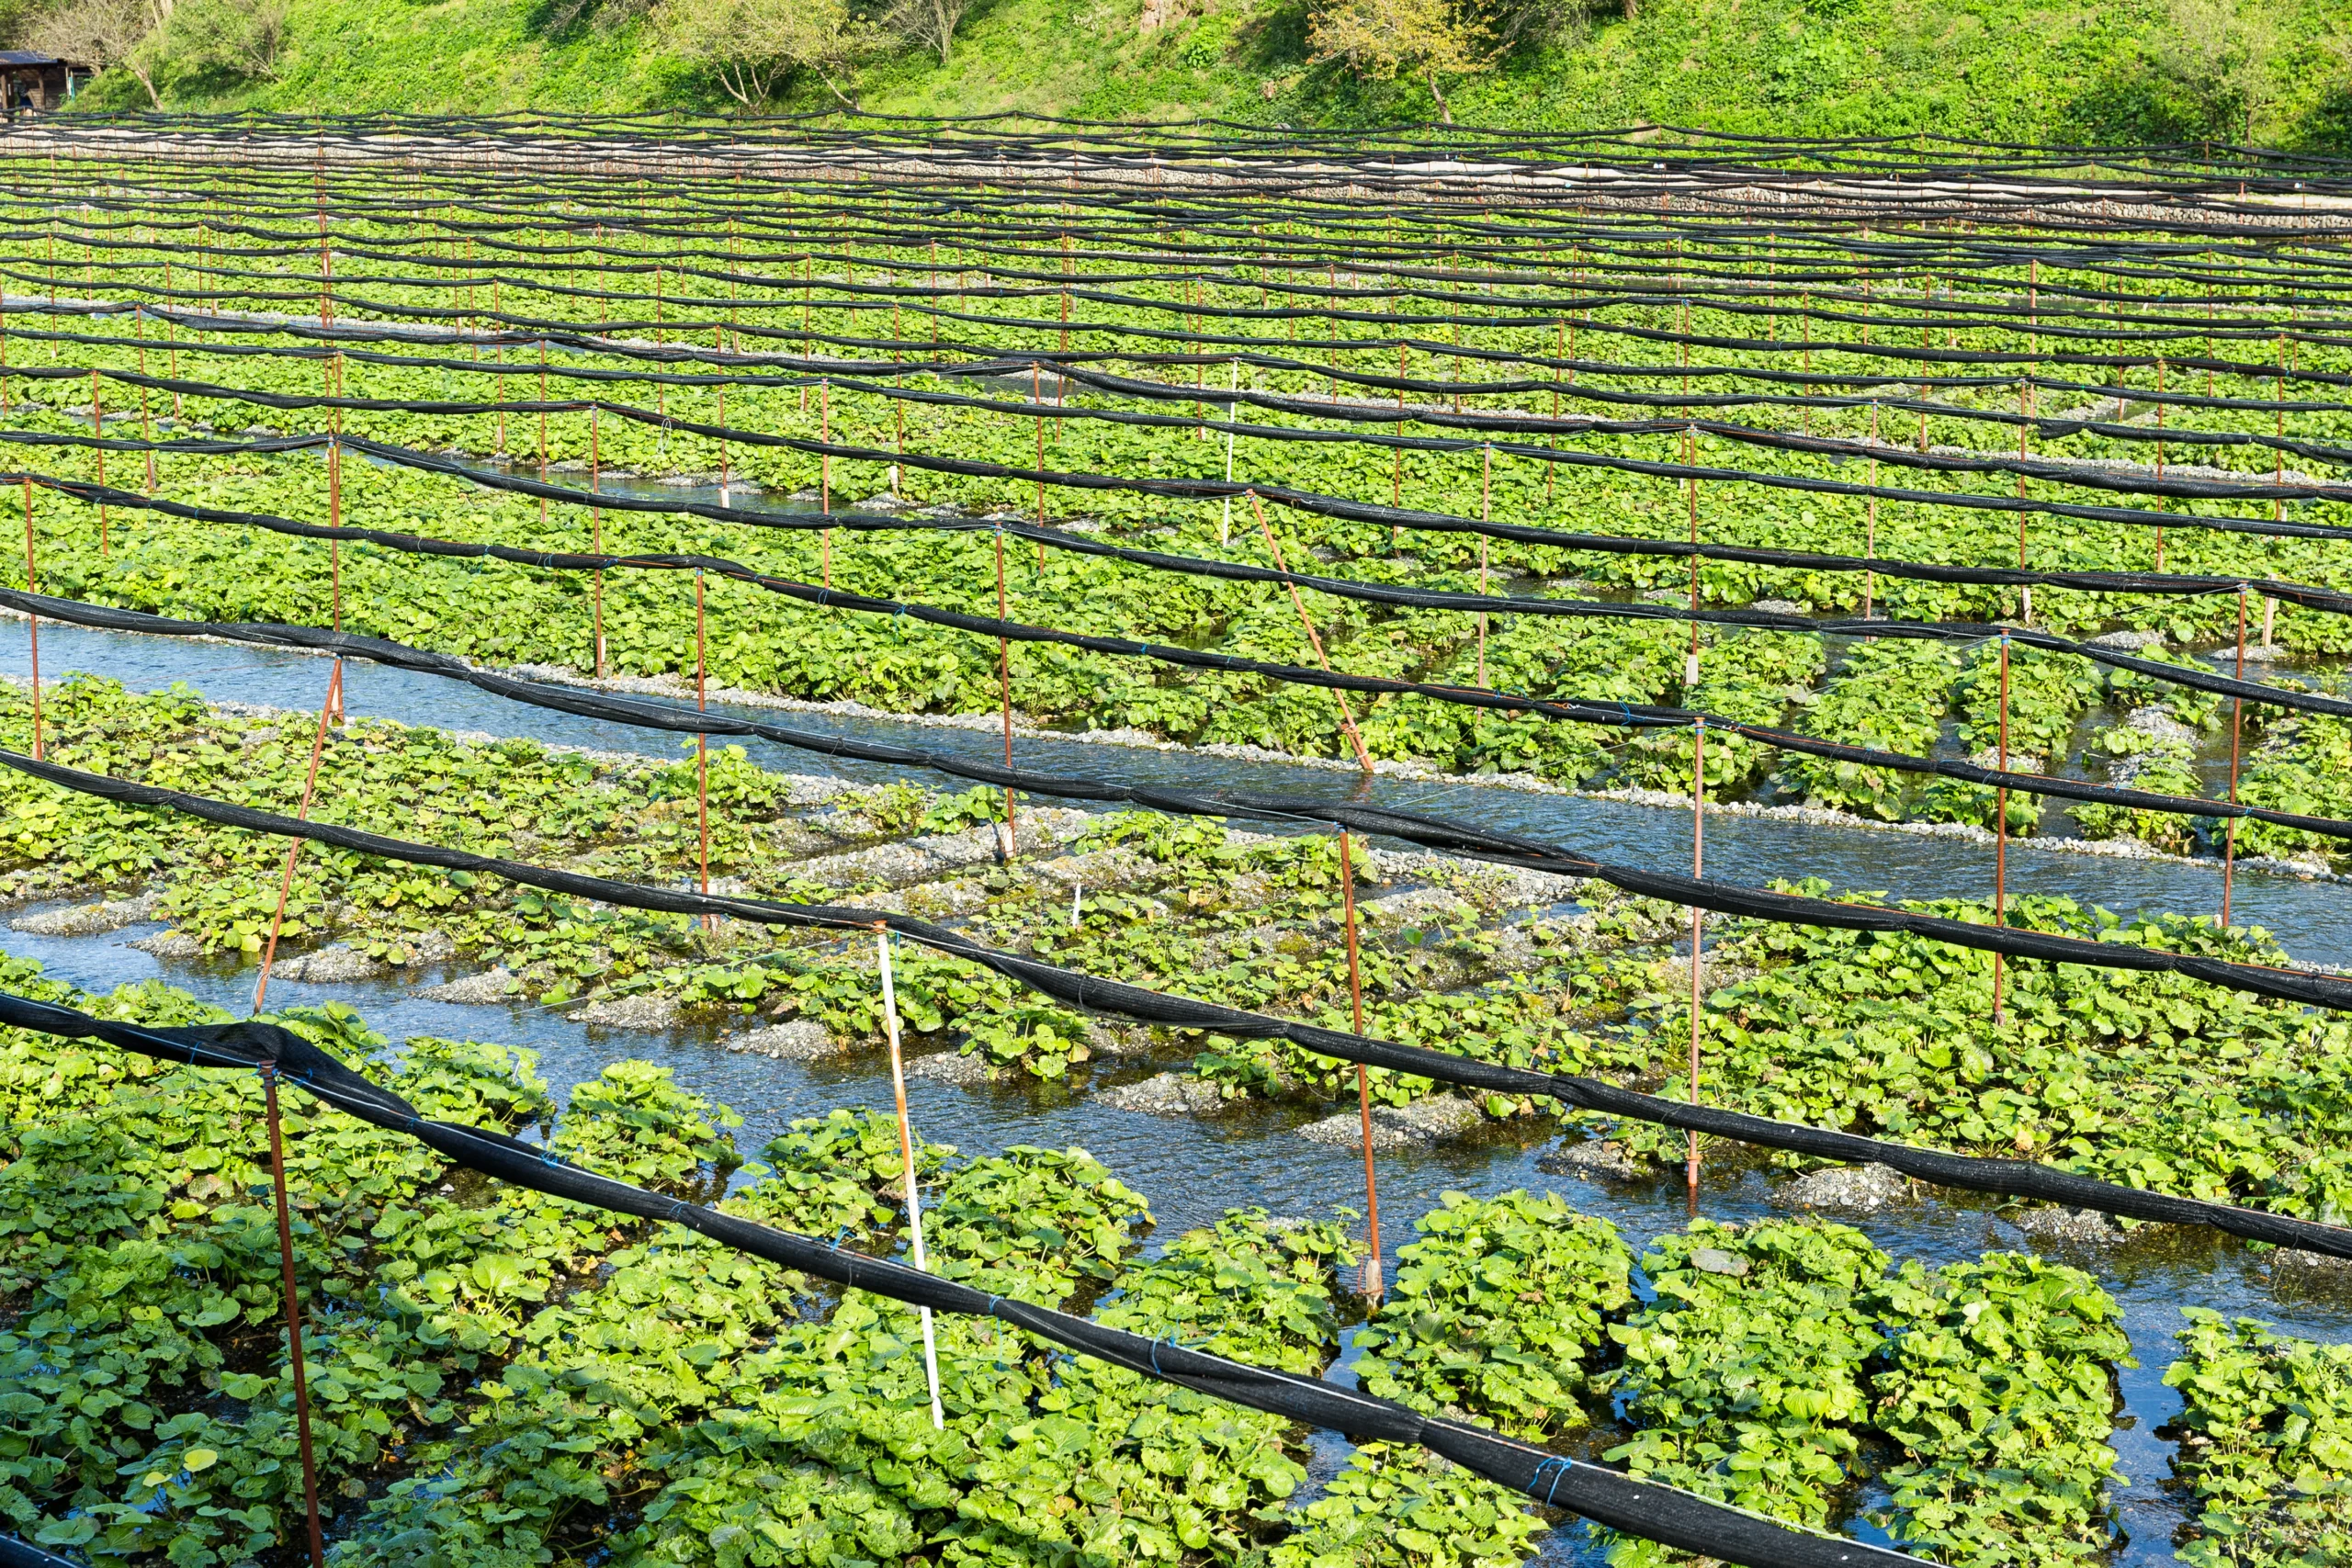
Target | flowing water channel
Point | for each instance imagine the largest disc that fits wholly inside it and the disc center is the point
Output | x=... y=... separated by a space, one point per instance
x=1191 y=1169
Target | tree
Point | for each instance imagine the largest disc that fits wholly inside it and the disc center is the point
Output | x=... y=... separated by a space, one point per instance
x=2219 y=53
x=104 y=33
x=1430 y=39
x=932 y=23
x=752 y=46
x=242 y=38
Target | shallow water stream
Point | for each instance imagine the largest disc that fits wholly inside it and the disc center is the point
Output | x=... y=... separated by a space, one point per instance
x=1193 y=1169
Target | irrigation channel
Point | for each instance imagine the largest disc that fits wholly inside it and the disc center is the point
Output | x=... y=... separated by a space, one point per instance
x=1194 y=1168
x=1957 y=532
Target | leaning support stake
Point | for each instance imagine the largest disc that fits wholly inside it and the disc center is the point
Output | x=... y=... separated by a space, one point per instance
x=1369 y=1282
x=293 y=1316
x=1347 y=716
x=333 y=703
x=906 y=1162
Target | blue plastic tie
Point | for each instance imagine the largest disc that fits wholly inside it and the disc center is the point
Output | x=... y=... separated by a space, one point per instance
x=1558 y=1467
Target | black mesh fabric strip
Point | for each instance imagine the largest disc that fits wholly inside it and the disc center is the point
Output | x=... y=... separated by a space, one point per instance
x=1583 y=711
x=1094 y=994
x=646 y=714
x=848 y=378
x=1677 y=1518
x=17 y=1554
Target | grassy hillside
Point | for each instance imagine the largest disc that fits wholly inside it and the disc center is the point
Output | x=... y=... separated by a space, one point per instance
x=2020 y=69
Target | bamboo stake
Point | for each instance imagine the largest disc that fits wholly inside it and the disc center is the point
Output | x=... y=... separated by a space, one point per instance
x=1369 y=1282
x=32 y=585
x=2237 y=729
x=907 y=1164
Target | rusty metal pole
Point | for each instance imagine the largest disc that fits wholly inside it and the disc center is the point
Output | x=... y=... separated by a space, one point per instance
x=1485 y=505
x=596 y=544
x=293 y=1318
x=2001 y=835
x=702 y=756
x=1698 y=917
x=1870 y=523
x=96 y=430
x=334 y=558
x=1004 y=689
x=1369 y=1282
x=825 y=470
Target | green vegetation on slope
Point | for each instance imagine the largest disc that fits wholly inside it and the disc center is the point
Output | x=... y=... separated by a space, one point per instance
x=2017 y=70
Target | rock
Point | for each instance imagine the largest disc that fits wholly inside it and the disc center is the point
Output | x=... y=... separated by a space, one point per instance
x=881 y=502
x=170 y=944
x=1346 y=1131
x=1777 y=607
x=2085 y=1226
x=1590 y=1157
x=484 y=989
x=1715 y=1260
x=336 y=965
x=1169 y=1094
x=88 y=920
x=2020 y=761
x=950 y=1067
x=1417 y=906
x=1116 y=1040
x=1848 y=1186
x=2127 y=639
x=638 y=1011
x=1430 y=1121
x=431 y=947
x=2155 y=723
x=802 y=1040
x=2310 y=1268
